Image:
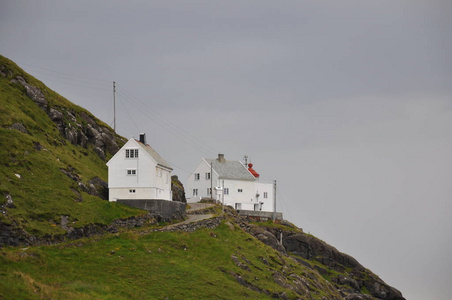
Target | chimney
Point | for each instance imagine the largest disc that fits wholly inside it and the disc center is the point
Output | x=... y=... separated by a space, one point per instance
x=143 y=138
x=221 y=158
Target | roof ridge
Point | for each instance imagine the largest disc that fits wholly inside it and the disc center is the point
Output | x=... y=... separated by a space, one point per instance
x=154 y=154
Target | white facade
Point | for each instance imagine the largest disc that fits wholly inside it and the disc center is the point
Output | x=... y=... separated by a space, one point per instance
x=136 y=171
x=239 y=188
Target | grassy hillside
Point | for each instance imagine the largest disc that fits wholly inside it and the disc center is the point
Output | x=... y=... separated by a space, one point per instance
x=205 y=264
x=52 y=176
x=32 y=159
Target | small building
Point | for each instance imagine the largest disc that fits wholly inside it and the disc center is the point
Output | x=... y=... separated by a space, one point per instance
x=234 y=183
x=138 y=172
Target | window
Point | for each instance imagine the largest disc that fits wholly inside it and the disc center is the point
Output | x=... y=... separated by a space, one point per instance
x=132 y=191
x=240 y=190
x=265 y=195
x=195 y=192
x=131 y=153
x=209 y=191
x=207 y=176
x=131 y=172
x=196 y=176
x=226 y=191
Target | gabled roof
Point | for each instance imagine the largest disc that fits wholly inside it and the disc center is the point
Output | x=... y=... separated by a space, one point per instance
x=160 y=161
x=230 y=169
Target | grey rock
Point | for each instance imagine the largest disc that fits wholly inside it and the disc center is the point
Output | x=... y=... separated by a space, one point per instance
x=37 y=146
x=71 y=174
x=55 y=115
x=33 y=92
x=9 y=201
x=100 y=152
x=78 y=196
x=20 y=127
x=100 y=186
x=109 y=142
x=269 y=239
x=239 y=264
x=347 y=280
x=177 y=189
x=354 y=296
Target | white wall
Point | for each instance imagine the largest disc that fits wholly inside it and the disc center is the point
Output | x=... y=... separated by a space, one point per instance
x=150 y=181
x=262 y=188
x=245 y=200
x=140 y=193
x=162 y=183
x=202 y=184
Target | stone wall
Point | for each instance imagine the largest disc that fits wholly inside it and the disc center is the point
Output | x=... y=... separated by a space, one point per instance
x=261 y=215
x=162 y=210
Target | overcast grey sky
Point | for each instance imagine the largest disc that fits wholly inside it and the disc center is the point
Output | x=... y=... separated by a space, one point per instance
x=347 y=104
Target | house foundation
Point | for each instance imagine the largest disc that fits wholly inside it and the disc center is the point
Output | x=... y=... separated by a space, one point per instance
x=163 y=210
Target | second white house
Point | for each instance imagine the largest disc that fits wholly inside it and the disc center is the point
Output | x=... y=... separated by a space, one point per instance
x=234 y=183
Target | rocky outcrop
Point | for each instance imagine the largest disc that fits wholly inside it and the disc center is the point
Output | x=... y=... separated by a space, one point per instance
x=267 y=238
x=358 y=278
x=19 y=127
x=79 y=128
x=96 y=186
x=97 y=229
x=309 y=247
x=13 y=236
x=177 y=189
x=345 y=272
x=32 y=92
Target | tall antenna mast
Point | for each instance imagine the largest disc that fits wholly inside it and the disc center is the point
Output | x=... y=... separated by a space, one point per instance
x=114 y=106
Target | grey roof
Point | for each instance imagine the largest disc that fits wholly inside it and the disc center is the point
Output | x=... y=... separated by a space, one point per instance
x=231 y=169
x=160 y=161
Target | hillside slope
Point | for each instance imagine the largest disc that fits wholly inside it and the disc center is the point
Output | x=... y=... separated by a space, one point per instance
x=226 y=257
x=52 y=189
x=52 y=159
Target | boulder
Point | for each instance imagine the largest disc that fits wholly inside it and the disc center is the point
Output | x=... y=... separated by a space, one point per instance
x=100 y=188
x=55 y=115
x=33 y=92
x=9 y=201
x=177 y=189
x=20 y=127
x=269 y=239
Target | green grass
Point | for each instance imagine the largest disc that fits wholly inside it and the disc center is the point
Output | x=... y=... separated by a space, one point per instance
x=43 y=193
x=160 y=265
x=275 y=225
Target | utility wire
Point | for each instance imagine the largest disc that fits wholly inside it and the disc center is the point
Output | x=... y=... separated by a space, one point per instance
x=283 y=205
x=174 y=165
x=170 y=124
x=130 y=117
x=100 y=84
x=70 y=82
x=171 y=128
x=75 y=77
x=142 y=106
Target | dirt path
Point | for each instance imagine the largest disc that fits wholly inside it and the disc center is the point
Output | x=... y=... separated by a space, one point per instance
x=199 y=206
x=190 y=219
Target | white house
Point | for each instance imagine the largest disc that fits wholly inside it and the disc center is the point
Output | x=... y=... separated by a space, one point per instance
x=233 y=182
x=138 y=172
